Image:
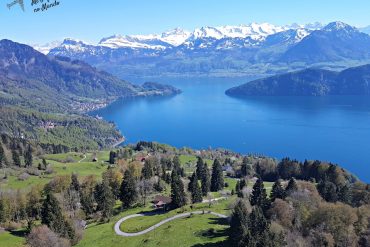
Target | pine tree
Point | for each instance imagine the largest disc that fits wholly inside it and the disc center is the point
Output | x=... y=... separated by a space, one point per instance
x=195 y=190
x=178 y=195
x=200 y=168
x=245 y=168
x=105 y=199
x=277 y=191
x=147 y=171
x=345 y=194
x=28 y=159
x=177 y=166
x=217 y=179
x=237 y=188
x=128 y=192
x=75 y=184
x=51 y=215
x=44 y=163
x=259 y=196
x=291 y=187
x=328 y=191
x=205 y=180
x=112 y=157
x=2 y=157
x=239 y=224
x=16 y=159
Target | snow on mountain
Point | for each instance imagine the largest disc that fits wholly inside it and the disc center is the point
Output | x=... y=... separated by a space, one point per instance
x=229 y=36
x=45 y=48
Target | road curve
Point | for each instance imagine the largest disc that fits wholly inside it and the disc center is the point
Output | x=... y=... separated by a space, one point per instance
x=126 y=234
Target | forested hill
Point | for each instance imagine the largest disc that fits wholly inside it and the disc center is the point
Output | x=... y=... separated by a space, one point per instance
x=309 y=82
x=42 y=98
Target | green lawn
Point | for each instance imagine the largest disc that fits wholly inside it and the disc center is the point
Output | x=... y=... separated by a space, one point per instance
x=193 y=231
x=85 y=168
x=12 y=239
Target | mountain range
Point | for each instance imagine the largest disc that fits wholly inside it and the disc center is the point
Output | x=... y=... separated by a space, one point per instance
x=45 y=98
x=245 y=50
x=309 y=82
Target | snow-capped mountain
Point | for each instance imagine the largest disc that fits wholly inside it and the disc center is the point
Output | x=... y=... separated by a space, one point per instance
x=253 y=34
x=222 y=49
x=45 y=48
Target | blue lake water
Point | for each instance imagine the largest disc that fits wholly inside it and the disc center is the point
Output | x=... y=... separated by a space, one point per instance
x=335 y=129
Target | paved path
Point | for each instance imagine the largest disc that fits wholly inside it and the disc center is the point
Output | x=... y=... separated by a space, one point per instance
x=125 y=234
x=214 y=200
x=82 y=159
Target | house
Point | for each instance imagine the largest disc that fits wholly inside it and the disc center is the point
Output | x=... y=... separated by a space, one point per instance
x=161 y=202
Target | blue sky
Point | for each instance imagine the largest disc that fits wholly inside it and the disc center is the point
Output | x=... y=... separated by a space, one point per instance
x=91 y=20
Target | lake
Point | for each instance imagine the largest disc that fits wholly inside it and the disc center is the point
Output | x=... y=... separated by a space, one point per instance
x=335 y=129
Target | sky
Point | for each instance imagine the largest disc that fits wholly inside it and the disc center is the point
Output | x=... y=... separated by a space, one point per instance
x=91 y=20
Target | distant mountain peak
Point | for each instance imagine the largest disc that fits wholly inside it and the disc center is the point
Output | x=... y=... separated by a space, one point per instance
x=337 y=26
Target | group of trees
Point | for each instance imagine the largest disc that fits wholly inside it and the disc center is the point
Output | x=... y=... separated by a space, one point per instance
x=296 y=214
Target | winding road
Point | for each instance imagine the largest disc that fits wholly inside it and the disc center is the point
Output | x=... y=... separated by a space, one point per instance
x=126 y=234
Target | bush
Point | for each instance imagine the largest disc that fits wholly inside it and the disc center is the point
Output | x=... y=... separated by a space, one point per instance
x=42 y=236
x=23 y=177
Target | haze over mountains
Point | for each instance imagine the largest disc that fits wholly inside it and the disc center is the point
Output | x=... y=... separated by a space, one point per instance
x=245 y=50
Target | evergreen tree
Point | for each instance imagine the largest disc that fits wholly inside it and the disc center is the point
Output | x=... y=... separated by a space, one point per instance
x=328 y=190
x=177 y=191
x=195 y=190
x=238 y=224
x=16 y=159
x=292 y=186
x=147 y=171
x=259 y=196
x=44 y=163
x=2 y=157
x=112 y=157
x=217 y=179
x=177 y=166
x=75 y=184
x=237 y=187
x=51 y=215
x=205 y=180
x=345 y=194
x=28 y=159
x=277 y=191
x=245 y=168
x=200 y=168
x=105 y=199
x=128 y=192
x=3 y=214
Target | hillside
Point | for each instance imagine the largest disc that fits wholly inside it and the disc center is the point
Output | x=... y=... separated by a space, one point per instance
x=44 y=97
x=309 y=82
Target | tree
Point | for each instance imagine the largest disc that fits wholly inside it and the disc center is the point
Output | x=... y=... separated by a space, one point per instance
x=112 y=157
x=345 y=194
x=205 y=180
x=145 y=186
x=238 y=224
x=292 y=186
x=51 y=215
x=2 y=157
x=195 y=190
x=28 y=159
x=328 y=190
x=105 y=199
x=75 y=184
x=178 y=195
x=259 y=196
x=114 y=177
x=147 y=171
x=42 y=236
x=44 y=163
x=177 y=166
x=277 y=191
x=16 y=159
x=128 y=192
x=217 y=179
x=200 y=168
x=246 y=170
x=87 y=195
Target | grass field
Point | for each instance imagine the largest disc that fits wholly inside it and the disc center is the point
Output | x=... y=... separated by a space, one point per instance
x=12 y=239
